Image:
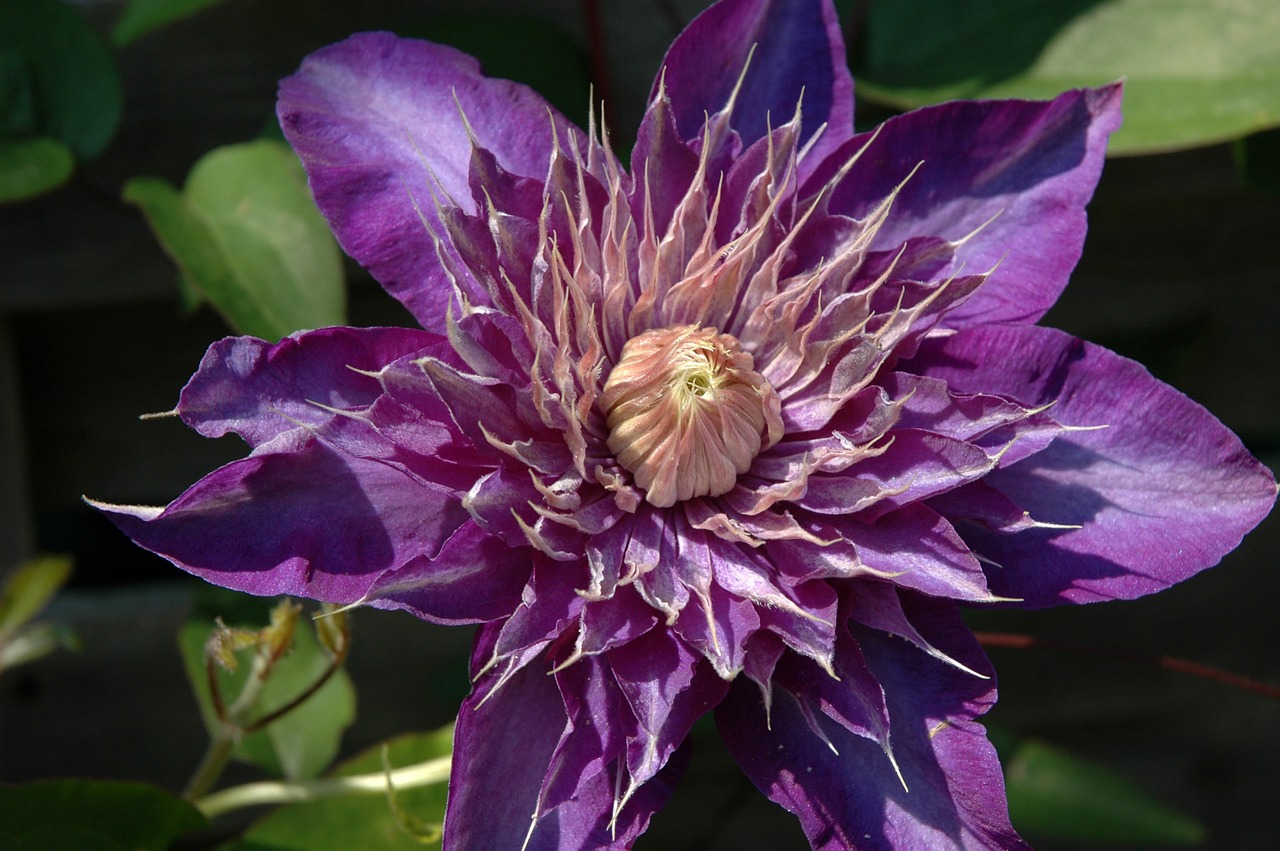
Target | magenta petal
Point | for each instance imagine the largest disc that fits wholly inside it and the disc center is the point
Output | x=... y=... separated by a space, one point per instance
x=855 y=800
x=311 y=522
x=1026 y=167
x=376 y=122
x=1162 y=491
x=798 y=47
x=258 y=389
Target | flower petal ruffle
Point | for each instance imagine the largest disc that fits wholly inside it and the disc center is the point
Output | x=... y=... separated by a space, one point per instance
x=306 y=520
x=378 y=123
x=854 y=800
x=798 y=49
x=1157 y=486
x=1021 y=171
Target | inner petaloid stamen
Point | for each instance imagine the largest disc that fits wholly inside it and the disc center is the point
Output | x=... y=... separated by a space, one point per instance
x=688 y=413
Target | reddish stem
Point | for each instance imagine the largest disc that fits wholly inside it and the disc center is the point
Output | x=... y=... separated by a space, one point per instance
x=1173 y=663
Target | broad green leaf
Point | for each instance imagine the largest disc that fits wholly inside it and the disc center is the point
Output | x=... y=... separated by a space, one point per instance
x=29 y=588
x=143 y=16
x=303 y=742
x=59 y=79
x=245 y=233
x=366 y=822
x=32 y=167
x=92 y=814
x=1053 y=794
x=1196 y=72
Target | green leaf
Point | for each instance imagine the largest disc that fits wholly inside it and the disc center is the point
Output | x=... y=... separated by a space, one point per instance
x=245 y=233
x=1053 y=794
x=29 y=588
x=302 y=743
x=367 y=822
x=143 y=16
x=59 y=79
x=91 y=814
x=32 y=167
x=1197 y=72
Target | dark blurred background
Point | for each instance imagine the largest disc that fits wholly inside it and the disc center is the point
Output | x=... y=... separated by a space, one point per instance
x=1181 y=270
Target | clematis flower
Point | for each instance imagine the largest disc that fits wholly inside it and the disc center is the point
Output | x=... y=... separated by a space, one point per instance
x=737 y=429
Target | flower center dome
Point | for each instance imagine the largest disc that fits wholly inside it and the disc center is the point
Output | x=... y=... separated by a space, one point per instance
x=688 y=413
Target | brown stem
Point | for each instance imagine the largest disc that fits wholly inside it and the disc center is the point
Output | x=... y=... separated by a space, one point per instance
x=1172 y=663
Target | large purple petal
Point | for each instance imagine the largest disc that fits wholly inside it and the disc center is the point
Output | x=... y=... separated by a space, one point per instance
x=1031 y=166
x=798 y=47
x=503 y=744
x=258 y=389
x=855 y=800
x=1159 y=488
x=309 y=522
x=376 y=122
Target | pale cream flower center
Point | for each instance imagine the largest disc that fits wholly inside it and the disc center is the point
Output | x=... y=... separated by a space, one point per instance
x=688 y=413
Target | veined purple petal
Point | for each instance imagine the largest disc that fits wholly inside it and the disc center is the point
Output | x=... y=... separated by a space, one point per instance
x=258 y=389
x=473 y=579
x=668 y=687
x=306 y=521
x=855 y=801
x=1159 y=487
x=1022 y=171
x=798 y=46
x=501 y=746
x=376 y=122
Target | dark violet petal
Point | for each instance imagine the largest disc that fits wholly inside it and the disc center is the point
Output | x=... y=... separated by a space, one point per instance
x=258 y=389
x=474 y=578
x=376 y=122
x=852 y=697
x=550 y=604
x=309 y=522
x=917 y=465
x=916 y=548
x=668 y=686
x=593 y=738
x=798 y=46
x=663 y=163
x=855 y=800
x=1031 y=164
x=1163 y=491
x=502 y=744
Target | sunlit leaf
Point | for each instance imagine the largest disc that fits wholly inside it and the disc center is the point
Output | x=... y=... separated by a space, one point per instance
x=367 y=822
x=1053 y=794
x=68 y=815
x=59 y=78
x=143 y=16
x=1197 y=71
x=32 y=167
x=246 y=234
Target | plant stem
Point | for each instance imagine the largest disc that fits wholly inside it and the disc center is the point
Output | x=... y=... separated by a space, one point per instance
x=282 y=792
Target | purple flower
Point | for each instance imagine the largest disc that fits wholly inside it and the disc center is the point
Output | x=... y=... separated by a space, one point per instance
x=738 y=429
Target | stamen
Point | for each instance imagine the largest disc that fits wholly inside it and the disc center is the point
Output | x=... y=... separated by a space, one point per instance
x=688 y=413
